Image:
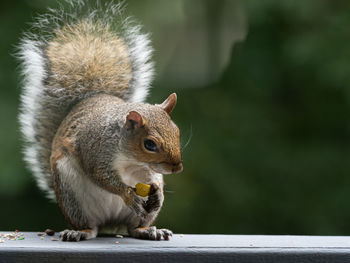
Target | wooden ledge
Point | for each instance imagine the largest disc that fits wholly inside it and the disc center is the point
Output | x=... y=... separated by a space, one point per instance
x=181 y=248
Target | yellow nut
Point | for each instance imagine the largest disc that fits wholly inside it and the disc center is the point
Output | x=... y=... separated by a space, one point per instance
x=142 y=189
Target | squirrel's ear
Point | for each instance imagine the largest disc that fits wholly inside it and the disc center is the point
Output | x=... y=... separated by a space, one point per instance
x=169 y=104
x=134 y=120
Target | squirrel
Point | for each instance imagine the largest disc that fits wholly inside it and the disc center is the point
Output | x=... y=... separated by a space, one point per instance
x=89 y=135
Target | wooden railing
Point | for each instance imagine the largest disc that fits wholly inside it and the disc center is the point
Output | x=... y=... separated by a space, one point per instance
x=181 y=248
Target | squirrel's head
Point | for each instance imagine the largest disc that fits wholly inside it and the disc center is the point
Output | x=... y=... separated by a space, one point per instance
x=154 y=139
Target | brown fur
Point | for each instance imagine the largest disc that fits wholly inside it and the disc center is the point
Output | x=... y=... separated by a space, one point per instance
x=167 y=136
x=91 y=56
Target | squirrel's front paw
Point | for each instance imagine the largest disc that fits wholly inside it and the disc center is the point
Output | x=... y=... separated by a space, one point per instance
x=155 y=199
x=151 y=233
x=138 y=206
x=141 y=207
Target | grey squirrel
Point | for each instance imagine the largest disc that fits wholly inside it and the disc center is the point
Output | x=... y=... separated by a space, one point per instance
x=89 y=136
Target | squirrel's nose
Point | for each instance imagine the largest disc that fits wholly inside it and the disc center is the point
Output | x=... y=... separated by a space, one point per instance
x=177 y=168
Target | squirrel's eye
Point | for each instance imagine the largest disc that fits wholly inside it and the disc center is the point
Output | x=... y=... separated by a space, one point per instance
x=150 y=145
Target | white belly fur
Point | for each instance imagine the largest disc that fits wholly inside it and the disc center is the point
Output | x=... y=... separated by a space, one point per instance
x=99 y=205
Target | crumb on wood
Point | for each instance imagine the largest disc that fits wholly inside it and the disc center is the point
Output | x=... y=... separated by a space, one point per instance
x=49 y=232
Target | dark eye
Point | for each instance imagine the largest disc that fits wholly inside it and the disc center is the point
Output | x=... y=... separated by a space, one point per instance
x=150 y=145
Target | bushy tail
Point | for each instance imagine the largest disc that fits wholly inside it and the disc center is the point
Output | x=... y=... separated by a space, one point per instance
x=73 y=55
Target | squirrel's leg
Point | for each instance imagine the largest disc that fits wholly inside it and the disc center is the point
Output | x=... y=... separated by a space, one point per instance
x=62 y=169
x=153 y=205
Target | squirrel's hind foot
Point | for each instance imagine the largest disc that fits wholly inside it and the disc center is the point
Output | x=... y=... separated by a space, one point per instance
x=151 y=233
x=77 y=235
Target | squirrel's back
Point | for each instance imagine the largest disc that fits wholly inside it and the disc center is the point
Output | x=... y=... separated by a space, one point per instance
x=81 y=53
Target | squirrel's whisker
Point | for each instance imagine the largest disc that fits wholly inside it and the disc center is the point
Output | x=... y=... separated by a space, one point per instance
x=188 y=140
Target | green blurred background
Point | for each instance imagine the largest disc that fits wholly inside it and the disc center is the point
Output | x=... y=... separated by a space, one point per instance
x=263 y=99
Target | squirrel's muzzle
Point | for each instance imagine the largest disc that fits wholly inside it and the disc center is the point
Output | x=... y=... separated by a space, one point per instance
x=177 y=168
x=167 y=168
